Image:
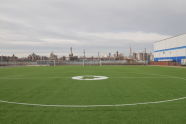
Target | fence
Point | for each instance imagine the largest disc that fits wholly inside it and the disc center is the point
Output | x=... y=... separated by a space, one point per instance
x=165 y=63
x=77 y=62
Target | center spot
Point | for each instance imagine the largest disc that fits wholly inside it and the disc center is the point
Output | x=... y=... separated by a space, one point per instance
x=89 y=77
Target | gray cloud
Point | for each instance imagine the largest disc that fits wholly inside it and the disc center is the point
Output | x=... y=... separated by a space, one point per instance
x=100 y=25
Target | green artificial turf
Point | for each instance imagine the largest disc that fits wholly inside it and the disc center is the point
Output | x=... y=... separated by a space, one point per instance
x=125 y=85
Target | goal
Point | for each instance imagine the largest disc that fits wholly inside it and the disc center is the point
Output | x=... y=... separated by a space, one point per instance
x=46 y=62
x=92 y=62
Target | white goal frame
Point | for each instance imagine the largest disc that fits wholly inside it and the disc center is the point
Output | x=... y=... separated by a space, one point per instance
x=91 y=62
x=47 y=62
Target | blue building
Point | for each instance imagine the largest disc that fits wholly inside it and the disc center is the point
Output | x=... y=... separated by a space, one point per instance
x=170 y=49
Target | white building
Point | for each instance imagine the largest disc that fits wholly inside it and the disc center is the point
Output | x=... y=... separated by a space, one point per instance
x=170 y=49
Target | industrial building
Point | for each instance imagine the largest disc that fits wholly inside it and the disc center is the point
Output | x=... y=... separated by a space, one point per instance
x=171 y=49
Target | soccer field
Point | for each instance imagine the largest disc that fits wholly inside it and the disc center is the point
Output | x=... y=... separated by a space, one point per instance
x=130 y=95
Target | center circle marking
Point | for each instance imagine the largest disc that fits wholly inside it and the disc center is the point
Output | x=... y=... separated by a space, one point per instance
x=98 y=105
x=89 y=77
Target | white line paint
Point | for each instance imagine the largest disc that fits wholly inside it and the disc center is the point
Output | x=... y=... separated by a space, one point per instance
x=94 y=106
x=94 y=77
x=114 y=105
x=168 y=76
x=17 y=78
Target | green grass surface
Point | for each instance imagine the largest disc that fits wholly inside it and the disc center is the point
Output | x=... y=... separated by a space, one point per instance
x=126 y=85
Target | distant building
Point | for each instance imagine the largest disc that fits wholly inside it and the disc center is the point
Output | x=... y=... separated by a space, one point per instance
x=135 y=56
x=44 y=58
x=71 y=55
x=33 y=57
x=62 y=58
x=119 y=56
x=142 y=56
x=8 y=58
x=13 y=58
x=53 y=56
x=171 y=49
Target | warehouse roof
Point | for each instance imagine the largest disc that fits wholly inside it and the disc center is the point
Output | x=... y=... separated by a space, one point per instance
x=170 y=37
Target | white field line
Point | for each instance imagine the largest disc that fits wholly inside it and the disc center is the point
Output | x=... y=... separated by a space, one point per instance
x=12 y=78
x=168 y=76
x=94 y=106
x=94 y=77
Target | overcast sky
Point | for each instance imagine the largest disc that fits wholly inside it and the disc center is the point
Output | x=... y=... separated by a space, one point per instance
x=42 y=26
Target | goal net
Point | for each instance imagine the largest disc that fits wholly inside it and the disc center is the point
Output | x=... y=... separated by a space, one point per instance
x=92 y=62
x=46 y=62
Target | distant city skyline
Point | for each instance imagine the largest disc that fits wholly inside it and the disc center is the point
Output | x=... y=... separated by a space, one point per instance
x=76 y=51
x=34 y=57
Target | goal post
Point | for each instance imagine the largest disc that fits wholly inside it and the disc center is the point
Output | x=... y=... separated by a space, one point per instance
x=100 y=62
x=86 y=62
x=83 y=63
x=46 y=62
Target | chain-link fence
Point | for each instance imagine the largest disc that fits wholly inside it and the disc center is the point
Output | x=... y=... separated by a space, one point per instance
x=77 y=62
